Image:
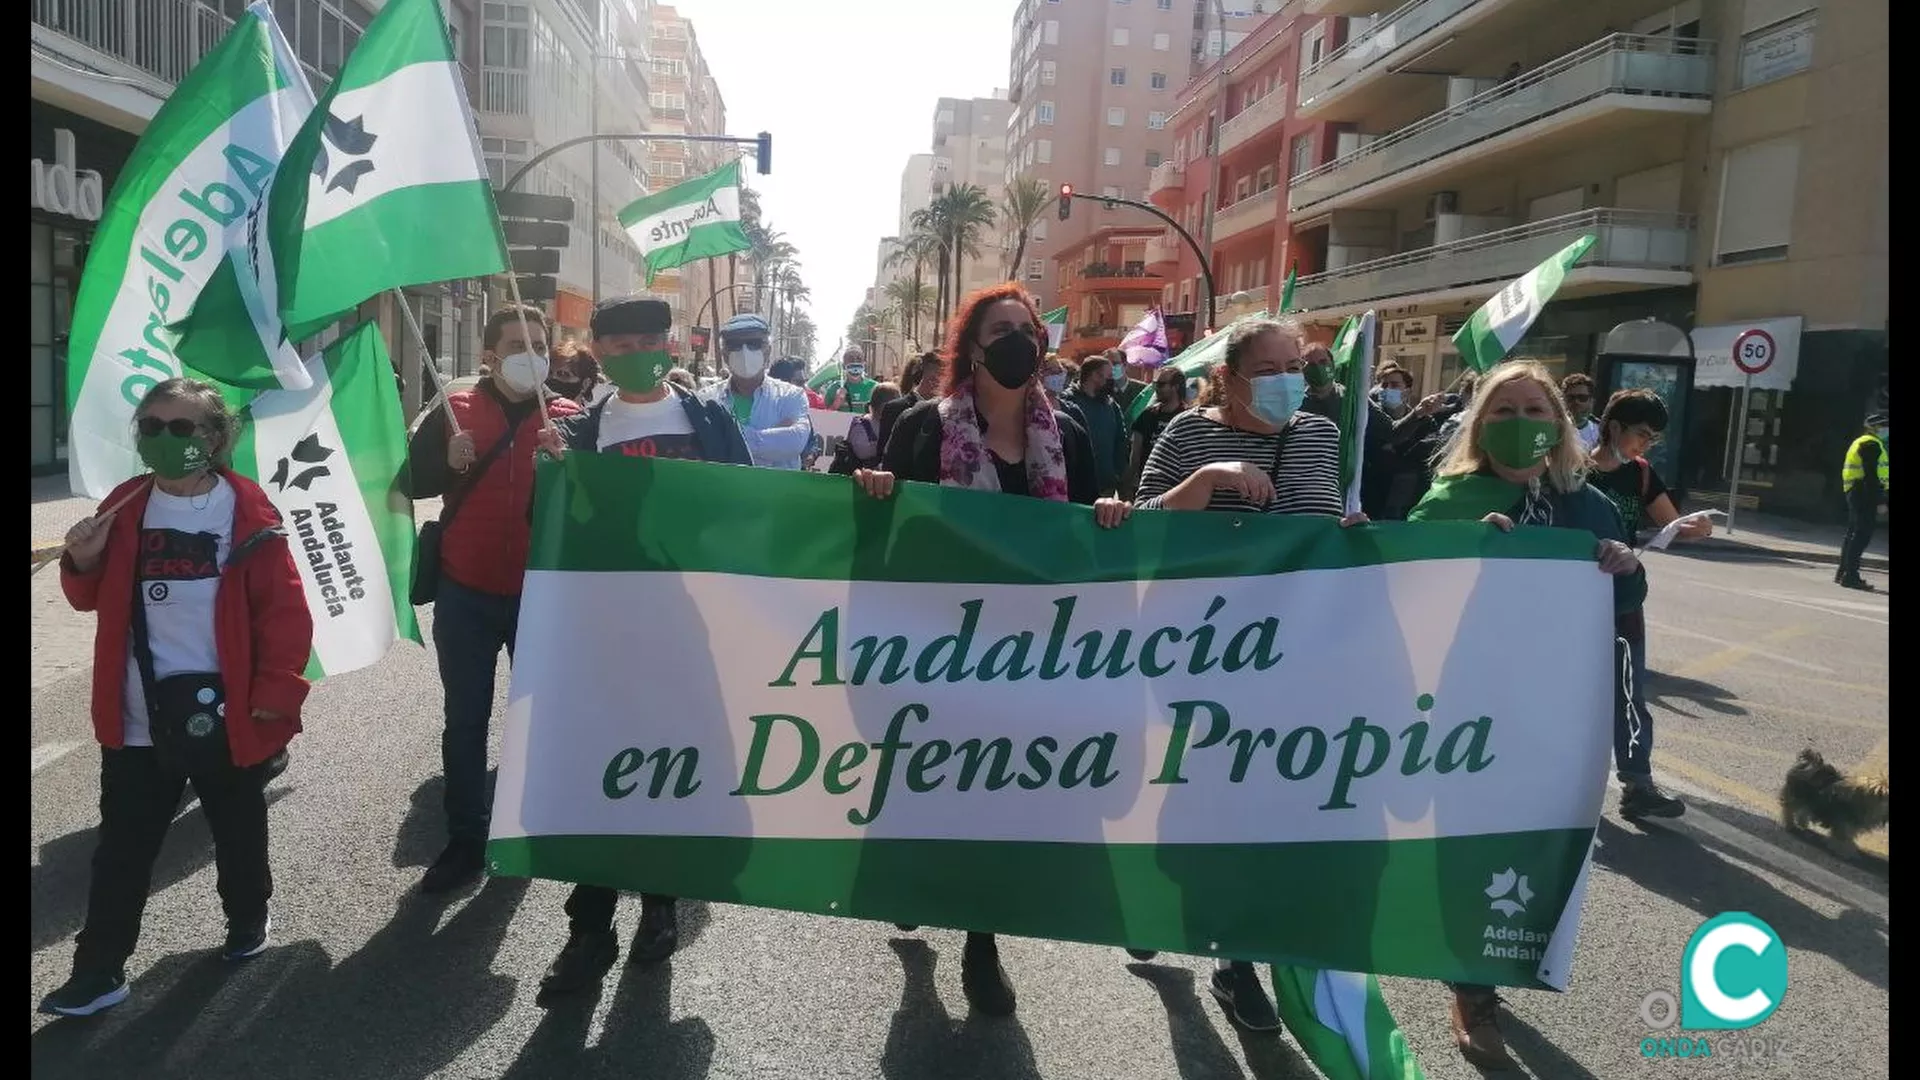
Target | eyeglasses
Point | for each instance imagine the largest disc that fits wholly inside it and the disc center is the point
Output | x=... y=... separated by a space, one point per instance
x=1641 y=431
x=150 y=426
x=1579 y=399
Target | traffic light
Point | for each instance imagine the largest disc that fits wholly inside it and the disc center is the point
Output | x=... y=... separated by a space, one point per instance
x=1066 y=201
x=763 y=152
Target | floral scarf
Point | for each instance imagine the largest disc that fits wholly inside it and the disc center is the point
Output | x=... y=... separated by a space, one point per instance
x=965 y=461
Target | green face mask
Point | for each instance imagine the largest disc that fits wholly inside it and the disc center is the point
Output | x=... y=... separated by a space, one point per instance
x=1319 y=376
x=638 y=372
x=173 y=457
x=1519 y=442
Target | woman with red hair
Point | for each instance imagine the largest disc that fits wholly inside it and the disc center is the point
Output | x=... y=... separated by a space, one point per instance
x=993 y=429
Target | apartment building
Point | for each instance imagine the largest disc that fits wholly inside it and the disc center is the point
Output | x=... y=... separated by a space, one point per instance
x=100 y=70
x=970 y=147
x=1730 y=159
x=686 y=101
x=1092 y=85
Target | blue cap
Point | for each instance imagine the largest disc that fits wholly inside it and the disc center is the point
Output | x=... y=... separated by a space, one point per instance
x=746 y=324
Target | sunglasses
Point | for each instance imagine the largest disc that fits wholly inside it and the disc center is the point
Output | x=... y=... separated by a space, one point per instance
x=151 y=426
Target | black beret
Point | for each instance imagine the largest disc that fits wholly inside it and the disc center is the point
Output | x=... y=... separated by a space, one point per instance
x=631 y=315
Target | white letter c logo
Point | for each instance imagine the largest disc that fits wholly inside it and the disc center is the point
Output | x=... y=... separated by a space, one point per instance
x=1706 y=954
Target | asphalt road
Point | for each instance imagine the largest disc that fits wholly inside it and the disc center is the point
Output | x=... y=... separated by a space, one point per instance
x=1755 y=659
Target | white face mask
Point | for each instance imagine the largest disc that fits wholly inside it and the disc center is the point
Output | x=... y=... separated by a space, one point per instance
x=522 y=372
x=746 y=363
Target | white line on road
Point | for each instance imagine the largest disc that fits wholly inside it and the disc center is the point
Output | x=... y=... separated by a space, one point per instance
x=1823 y=608
x=49 y=753
x=1725 y=644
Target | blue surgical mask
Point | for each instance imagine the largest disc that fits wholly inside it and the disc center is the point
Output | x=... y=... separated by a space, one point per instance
x=1391 y=396
x=1054 y=383
x=1276 y=398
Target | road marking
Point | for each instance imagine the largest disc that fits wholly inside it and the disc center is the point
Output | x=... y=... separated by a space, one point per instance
x=1778 y=599
x=1715 y=662
x=1708 y=741
x=1755 y=708
x=1724 y=643
x=1753 y=798
x=48 y=753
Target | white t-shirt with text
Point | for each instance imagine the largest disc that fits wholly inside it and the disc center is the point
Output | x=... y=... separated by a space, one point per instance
x=648 y=429
x=184 y=543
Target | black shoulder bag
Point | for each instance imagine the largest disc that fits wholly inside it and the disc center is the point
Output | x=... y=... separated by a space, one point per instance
x=426 y=555
x=186 y=713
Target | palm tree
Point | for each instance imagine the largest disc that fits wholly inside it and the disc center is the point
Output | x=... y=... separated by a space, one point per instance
x=788 y=283
x=750 y=225
x=929 y=237
x=1026 y=199
x=917 y=249
x=966 y=214
x=909 y=301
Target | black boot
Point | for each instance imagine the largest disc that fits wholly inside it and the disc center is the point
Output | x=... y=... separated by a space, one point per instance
x=982 y=977
x=659 y=932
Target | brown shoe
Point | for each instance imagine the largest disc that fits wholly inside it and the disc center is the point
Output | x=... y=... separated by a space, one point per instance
x=1476 y=1029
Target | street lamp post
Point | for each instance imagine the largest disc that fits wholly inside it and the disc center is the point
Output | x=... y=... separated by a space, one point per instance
x=1213 y=166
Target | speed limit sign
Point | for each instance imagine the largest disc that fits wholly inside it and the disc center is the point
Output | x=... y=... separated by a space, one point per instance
x=1753 y=351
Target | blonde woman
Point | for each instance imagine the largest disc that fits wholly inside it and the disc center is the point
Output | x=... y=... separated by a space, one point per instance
x=1516 y=459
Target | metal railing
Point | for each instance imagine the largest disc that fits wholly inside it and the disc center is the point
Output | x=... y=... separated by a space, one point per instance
x=1162 y=250
x=1629 y=239
x=507 y=92
x=163 y=38
x=1254 y=119
x=1166 y=175
x=1618 y=64
x=1394 y=30
x=1259 y=298
x=1245 y=214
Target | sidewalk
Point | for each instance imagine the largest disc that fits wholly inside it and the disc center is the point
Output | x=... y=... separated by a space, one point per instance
x=1757 y=535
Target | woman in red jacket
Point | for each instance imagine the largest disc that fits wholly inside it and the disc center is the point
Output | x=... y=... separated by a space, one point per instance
x=197 y=659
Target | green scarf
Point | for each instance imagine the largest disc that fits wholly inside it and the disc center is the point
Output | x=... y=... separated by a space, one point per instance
x=1468 y=497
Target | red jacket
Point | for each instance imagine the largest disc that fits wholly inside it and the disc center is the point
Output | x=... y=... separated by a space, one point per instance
x=486 y=548
x=261 y=627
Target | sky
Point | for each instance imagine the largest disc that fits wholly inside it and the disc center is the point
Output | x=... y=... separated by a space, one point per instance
x=847 y=87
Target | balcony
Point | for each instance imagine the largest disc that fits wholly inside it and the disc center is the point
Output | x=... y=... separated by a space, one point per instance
x=1582 y=98
x=1163 y=253
x=1347 y=8
x=1261 y=208
x=1262 y=115
x=505 y=92
x=1168 y=178
x=1632 y=249
x=1390 y=37
x=162 y=38
x=1127 y=277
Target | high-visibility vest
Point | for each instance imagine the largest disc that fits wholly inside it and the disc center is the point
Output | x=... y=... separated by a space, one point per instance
x=1854 y=469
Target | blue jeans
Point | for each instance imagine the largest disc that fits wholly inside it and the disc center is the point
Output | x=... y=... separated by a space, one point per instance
x=469 y=630
x=1633 y=726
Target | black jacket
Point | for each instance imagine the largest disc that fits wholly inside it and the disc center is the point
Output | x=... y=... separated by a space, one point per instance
x=913 y=453
x=890 y=414
x=714 y=429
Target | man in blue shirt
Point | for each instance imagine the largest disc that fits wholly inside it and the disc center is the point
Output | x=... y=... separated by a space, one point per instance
x=772 y=414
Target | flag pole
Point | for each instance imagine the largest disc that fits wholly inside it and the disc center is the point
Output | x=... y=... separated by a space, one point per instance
x=420 y=339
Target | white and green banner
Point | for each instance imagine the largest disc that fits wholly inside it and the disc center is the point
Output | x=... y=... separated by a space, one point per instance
x=698 y=219
x=329 y=458
x=179 y=205
x=1491 y=333
x=1260 y=738
x=1353 y=351
x=1056 y=323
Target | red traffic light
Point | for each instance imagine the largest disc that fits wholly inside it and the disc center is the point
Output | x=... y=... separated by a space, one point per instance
x=1066 y=201
x=1066 y=191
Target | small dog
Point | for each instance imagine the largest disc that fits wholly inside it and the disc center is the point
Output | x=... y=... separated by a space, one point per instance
x=1816 y=792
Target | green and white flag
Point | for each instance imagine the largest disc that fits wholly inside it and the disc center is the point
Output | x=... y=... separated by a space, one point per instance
x=180 y=203
x=1341 y=1020
x=383 y=187
x=1286 y=294
x=330 y=458
x=1078 y=740
x=698 y=219
x=1196 y=361
x=1056 y=324
x=1491 y=333
x=1352 y=361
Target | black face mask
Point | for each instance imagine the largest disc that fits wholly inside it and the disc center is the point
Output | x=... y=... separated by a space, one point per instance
x=1012 y=359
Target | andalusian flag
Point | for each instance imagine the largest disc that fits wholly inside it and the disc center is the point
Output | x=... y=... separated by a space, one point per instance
x=384 y=187
x=329 y=457
x=1286 y=294
x=1340 y=1019
x=695 y=220
x=1196 y=361
x=1492 y=332
x=1352 y=362
x=1056 y=323
x=179 y=204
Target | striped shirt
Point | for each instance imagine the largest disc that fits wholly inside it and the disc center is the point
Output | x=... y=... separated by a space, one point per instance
x=1307 y=481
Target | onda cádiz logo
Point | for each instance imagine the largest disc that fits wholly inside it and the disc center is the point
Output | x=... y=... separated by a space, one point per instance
x=1733 y=975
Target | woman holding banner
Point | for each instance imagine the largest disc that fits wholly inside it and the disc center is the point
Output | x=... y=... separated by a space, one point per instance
x=992 y=429
x=1515 y=459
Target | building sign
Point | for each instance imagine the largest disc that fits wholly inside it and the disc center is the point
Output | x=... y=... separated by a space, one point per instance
x=1777 y=52
x=1411 y=331
x=1713 y=354
x=64 y=188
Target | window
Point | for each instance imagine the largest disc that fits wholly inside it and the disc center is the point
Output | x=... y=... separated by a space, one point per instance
x=1116 y=117
x=1154 y=159
x=1039 y=229
x=1050 y=32
x=1161 y=43
x=1046 y=150
x=1110 y=192
x=1158 y=80
x=1156 y=121
x=1777 y=51
x=1163 y=5
x=1757 y=187
x=1043 y=114
x=944 y=117
x=1036 y=269
x=1313 y=46
x=663 y=100
x=1263 y=179
x=1049 y=71
x=1112 y=155
x=1302 y=155
x=1117 y=76
x=1120 y=35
